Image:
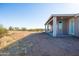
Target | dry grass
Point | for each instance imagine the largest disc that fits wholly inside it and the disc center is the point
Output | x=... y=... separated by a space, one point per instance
x=12 y=37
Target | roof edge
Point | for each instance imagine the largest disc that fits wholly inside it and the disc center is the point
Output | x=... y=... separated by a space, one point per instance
x=53 y=15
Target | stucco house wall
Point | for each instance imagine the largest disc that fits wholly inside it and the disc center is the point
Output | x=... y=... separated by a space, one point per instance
x=76 y=26
x=66 y=22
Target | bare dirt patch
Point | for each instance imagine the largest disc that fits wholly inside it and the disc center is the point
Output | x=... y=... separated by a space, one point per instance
x=12 y=37
x=42 y=44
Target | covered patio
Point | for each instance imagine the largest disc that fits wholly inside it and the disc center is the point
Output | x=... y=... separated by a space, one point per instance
x=59 y=24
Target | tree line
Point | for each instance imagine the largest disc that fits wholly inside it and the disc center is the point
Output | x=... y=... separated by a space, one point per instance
x=24 y=29
x=4 y=31
x=17 y=28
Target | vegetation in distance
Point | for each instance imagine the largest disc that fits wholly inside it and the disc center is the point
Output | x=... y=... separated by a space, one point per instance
x=4 y=31
x=24 y=29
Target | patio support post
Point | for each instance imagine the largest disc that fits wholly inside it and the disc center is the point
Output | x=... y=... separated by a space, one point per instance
x=45 y=28
x=54 y=26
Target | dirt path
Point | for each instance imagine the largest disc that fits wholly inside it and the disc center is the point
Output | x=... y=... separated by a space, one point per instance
x=41 y=44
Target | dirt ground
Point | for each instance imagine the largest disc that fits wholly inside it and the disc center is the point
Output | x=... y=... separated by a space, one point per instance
x=42 y=44
x=11 y=37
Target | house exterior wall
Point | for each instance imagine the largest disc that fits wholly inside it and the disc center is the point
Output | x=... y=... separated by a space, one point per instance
x=65 y=26
x=76 y=26
x=65 y=29
x=51 y=26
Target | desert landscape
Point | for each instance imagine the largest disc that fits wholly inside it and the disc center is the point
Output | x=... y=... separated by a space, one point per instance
x=25 y=43
x=12 y=40
x=28 y=29
x=12 y=36
x=35 y=42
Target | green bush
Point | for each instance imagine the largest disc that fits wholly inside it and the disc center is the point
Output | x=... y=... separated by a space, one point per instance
x=11 y=28
x=3 y=31
x=16 y=28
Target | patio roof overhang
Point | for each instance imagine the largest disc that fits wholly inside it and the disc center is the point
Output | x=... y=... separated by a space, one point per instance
x=60 y=15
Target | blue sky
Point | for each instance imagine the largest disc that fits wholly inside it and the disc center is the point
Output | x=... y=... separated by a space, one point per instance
x=32 y=15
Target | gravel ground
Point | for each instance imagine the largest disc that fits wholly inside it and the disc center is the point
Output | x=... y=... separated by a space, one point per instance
x=42 y=44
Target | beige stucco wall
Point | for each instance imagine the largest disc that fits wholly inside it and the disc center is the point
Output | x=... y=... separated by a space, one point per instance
x=66 y=26
x=76 y=25
x=76 y=20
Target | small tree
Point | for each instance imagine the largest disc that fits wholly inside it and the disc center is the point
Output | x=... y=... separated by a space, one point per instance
x=23 y=29
x=17 y=28
x=11 y=28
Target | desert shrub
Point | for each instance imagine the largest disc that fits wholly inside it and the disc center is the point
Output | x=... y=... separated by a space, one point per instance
x=16 y=28
x=11 y=28
x=3 y=31
x=23 y=29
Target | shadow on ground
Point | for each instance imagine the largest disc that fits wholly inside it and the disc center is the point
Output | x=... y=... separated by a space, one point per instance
x=42 y=44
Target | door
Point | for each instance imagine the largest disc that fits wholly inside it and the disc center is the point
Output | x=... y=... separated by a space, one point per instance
x=60 y=26
x=71 y=26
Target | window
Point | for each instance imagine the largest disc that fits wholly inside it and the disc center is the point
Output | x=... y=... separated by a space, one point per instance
x=60 y=25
